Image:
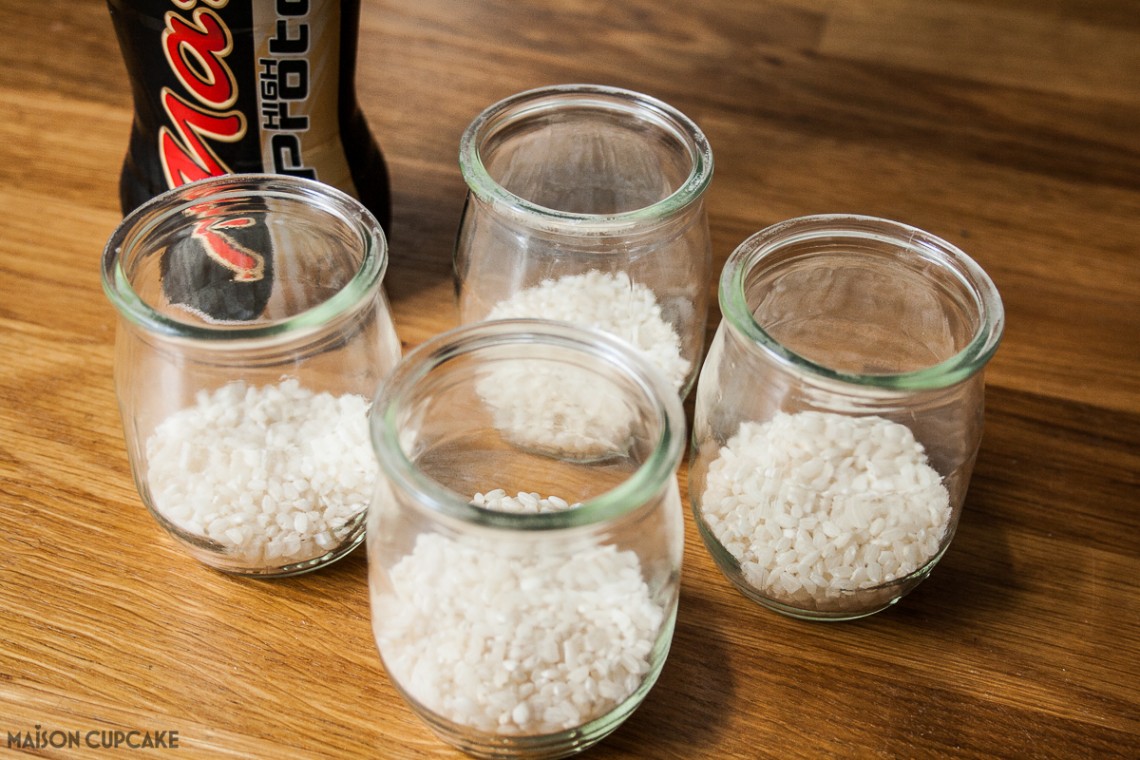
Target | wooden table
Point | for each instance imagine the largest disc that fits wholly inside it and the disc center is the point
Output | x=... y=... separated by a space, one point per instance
x=1012 y=128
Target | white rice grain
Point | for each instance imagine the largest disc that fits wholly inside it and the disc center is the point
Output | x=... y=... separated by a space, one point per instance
x=562 y=409
x=608 y=301
x=567 y=638
x=272 y=474
x=523 y=503
x=817 y=505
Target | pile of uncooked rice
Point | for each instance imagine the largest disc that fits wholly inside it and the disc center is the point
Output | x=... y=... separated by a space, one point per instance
x=564 y=410
x=817 y=505
x=275 y=474
x=526 y=502
x=521 y=643
x=608 y=301
x=557 y=409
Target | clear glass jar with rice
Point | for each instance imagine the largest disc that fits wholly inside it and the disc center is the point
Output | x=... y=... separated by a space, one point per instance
x=586 y=204
x=253 y=330
x=526 y=535
x=839 y=412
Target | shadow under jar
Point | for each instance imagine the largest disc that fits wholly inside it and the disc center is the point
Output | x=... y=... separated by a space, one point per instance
x=585 y=204
x=253 y=331
x=839 y=412
x=525 y=540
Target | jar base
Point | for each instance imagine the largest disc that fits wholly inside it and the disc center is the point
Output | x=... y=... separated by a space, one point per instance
x=546 y=747
x=216 y=557
x=551 y=746
x=853 y=605
x=816 y=616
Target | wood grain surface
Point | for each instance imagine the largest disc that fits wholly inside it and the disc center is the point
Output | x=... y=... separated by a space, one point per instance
x=1009 y=127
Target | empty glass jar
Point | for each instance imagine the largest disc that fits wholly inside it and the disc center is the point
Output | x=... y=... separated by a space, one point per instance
x=585 y=204
x=839 y=411
x=253 y=331
x=525 y=539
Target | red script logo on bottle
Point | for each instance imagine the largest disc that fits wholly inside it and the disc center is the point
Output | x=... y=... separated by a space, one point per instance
x=196 y=52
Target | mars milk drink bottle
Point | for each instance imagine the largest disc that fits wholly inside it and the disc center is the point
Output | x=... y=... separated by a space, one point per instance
x=242 y=86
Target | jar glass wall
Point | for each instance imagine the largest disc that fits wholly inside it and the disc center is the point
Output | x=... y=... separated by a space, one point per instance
x=253 y=330
x=526 y=535
x=839 y=411
x=585 y=204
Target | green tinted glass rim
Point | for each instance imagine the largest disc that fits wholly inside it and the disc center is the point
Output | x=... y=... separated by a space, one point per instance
x=645 y=484
x=541 y=101
x=964 y=270
x=135 y=229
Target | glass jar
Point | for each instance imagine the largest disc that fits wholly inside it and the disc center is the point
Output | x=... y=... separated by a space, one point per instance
x=839 y=411
x=253 y=330
x=585 y=204
x=525 y=539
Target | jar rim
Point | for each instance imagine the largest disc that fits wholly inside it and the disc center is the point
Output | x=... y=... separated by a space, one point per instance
x=145 y=219
x=628 y=496
x=948 y=372
x=542 y=100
